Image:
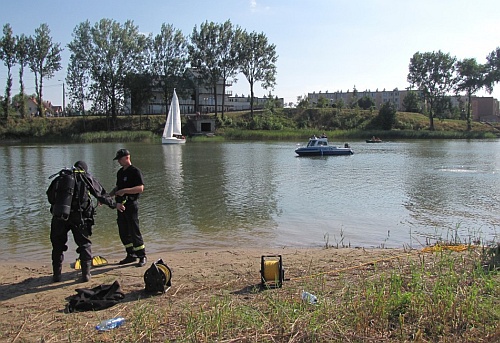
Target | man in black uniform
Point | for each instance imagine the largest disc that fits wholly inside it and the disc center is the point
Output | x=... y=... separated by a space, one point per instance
x=79 y=220
x=129 y=185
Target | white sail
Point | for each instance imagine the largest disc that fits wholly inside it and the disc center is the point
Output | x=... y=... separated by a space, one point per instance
x=172 y=129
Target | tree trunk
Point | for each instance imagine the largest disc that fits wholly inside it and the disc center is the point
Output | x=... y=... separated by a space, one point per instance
x=431 y=115
x=22 y=109
x=41 y=111
x=113 y=108
x=7 y=92
x=469 y=124
x=251 y=100
x=223 y=96
x=215 y=97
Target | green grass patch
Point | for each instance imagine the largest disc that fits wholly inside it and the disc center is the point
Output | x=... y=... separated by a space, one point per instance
x=279 y=124
x=438 y=297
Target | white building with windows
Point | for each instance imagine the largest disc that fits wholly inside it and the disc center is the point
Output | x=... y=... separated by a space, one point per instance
x=379 y=97
x=242 y=102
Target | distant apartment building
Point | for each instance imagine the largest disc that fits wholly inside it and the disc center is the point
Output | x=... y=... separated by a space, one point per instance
x=483 y=108
x=202 y=99
x=379 y=97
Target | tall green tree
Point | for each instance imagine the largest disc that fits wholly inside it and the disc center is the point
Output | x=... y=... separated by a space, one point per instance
x=411 y=102
x=22 y=56
x=229 y=37
x=8 y=56
x=44 y=60
x=471 y=77
x=169 y=54
x=139 y=90
x=386 y=116
x=433 y=74
x=78 y=75
x=116 y=51
x=493 y=69
x=204 y=55
x=257 y=59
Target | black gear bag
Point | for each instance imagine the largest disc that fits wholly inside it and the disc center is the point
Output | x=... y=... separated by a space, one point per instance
x=94 y=299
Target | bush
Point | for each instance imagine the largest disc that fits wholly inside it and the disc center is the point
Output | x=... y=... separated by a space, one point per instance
x=386 y=117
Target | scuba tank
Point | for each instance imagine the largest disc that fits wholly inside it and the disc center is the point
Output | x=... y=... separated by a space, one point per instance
x=64 y=189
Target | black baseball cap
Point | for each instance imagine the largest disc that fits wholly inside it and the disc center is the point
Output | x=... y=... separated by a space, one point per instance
x=120 y=153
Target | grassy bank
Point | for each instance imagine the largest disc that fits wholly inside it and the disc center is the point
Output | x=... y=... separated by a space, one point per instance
x=240 y=126
x=414 y=296
x=345 y=135
x=440 y=298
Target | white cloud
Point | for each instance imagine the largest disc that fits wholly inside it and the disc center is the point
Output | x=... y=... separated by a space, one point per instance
x=255 y=7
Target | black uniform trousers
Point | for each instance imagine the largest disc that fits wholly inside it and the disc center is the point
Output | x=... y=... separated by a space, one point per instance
x=128 y=229
x=82 y=230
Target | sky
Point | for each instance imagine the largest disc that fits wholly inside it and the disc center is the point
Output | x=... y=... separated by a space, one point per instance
x=322 y=45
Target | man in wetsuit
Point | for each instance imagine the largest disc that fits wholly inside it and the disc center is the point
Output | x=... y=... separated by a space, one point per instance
x=79 y=221
x=129 y=185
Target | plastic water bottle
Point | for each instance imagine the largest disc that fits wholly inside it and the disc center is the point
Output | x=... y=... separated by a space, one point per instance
x=109 y=324
x=310 y=298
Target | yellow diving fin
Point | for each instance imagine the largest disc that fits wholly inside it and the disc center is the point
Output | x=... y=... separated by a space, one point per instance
x=97 y=261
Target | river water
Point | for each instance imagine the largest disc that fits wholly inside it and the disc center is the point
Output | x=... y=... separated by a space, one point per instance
x=260 y=194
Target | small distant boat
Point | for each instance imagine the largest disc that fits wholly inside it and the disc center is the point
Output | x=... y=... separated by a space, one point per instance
x=172 y=131
x=320 y=147
x=374 y=140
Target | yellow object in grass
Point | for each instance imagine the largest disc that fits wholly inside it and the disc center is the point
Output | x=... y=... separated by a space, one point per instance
x=438 y=247
x=271 y=271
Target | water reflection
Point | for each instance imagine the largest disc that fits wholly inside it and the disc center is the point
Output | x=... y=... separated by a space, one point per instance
x=172 y=161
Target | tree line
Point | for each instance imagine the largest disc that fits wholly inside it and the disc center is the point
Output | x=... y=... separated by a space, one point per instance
x=435 y=75
x=110 y=61
x=38 y=52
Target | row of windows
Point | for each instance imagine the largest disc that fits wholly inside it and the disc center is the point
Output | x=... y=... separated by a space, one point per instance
x=348 y=95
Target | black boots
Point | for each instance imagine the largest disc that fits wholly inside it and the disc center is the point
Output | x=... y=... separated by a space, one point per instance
x=56 y=272
x=86 y=265
x=128 y=259
x=131 y=258
x=142 y=261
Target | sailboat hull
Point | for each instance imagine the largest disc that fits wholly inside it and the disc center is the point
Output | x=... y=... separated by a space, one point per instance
x=172 y=140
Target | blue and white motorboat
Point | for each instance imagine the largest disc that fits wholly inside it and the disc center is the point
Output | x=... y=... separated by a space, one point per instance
x=319 y=147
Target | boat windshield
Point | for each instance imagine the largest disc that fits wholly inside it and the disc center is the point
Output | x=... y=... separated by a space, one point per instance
x=312 y=142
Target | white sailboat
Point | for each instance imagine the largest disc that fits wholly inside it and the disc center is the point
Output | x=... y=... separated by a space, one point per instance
x=172 y=131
